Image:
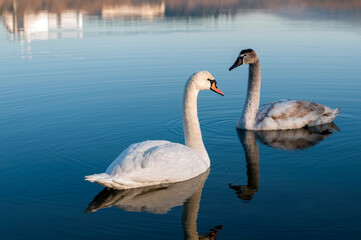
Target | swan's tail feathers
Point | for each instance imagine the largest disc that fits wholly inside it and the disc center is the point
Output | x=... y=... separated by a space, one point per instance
x=335 y=113
x=101 y=178
x=96 y=177
x=327 y=117
x=109 y=181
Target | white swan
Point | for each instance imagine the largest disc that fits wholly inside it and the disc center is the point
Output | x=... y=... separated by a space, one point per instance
x=159 y=162
x=280 y=115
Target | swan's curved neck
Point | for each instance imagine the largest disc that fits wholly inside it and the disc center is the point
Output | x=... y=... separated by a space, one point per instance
x=191 y=127
x=248 y=117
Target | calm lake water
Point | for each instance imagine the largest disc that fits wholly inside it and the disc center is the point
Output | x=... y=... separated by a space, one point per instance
x=82 y=80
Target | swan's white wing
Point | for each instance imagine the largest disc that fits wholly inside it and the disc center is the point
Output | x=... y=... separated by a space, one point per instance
x=292 y=114
x=151 y=163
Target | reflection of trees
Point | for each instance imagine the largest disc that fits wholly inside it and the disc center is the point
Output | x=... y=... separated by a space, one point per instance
x=201 y=7
x=93 y=7
x=40 y=19
x=321 y=4
x=185 y=7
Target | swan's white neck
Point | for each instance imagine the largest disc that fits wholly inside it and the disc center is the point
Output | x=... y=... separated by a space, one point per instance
x=191 y=127
x=248 y=117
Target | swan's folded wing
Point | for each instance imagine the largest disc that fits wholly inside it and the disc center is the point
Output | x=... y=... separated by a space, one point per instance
x=292 y=114
x=151 y=163
x=170 y=162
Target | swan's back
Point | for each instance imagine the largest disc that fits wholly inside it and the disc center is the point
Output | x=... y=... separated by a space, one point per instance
x=293 y=114
x=151 y=163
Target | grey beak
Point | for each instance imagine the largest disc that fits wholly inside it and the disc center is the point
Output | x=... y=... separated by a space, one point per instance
x=237 y=63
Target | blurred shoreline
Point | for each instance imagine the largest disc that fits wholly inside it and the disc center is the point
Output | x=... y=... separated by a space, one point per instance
x=181 y=7
x=46 y=19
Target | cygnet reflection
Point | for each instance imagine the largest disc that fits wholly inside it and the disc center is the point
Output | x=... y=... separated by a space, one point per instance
x=159 y=200
x=295 y=139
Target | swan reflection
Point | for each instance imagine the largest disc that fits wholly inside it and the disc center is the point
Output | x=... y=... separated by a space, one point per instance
x=295 y=139
x=159 y=200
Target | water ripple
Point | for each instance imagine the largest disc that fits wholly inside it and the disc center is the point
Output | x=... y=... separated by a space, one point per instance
x=211 y=126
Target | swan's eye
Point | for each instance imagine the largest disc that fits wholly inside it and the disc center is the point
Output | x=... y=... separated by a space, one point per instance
x=212 y=81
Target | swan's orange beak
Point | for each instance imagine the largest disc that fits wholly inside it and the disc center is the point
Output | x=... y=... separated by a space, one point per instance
x=214 y=88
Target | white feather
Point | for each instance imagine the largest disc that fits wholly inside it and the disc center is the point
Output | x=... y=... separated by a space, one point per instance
x=151 y=163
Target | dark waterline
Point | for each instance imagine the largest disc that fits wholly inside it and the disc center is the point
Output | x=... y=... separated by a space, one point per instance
x=82 y=80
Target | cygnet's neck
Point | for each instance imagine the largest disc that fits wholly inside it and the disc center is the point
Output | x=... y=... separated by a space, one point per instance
x=191 y=127
x=248 y=140
x=248 y=117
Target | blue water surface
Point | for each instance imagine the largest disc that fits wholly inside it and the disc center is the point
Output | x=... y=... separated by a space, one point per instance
x=83 y=81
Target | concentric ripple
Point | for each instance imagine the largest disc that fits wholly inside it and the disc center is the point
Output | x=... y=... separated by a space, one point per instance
x=211 y=125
